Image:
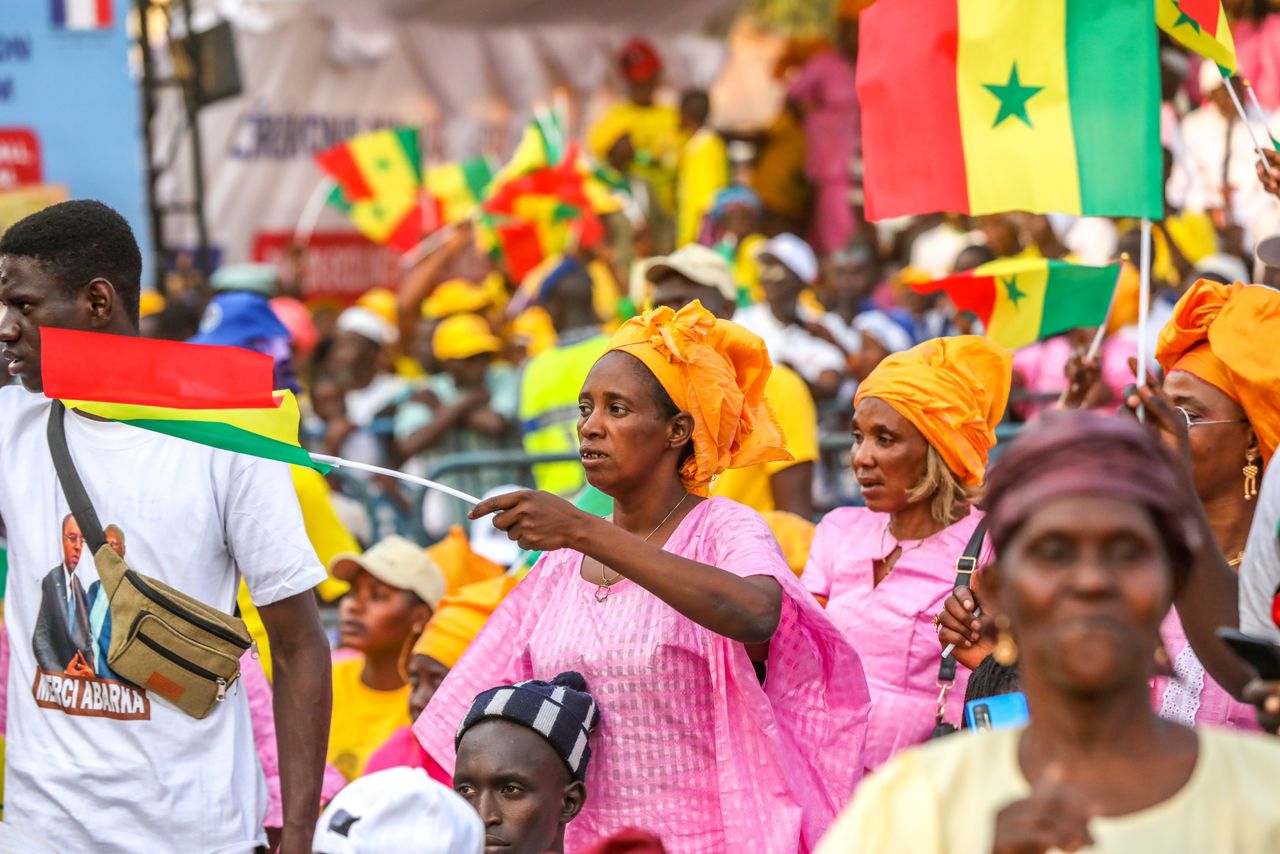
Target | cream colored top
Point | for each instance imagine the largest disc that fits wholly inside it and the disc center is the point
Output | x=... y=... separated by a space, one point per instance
x=944 y=796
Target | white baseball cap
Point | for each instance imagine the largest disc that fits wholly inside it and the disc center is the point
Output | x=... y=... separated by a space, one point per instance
x=396 y=561
x=363 y=321
x=399 y=809
x=697 y=263
x=490 y=542
x=794 y=254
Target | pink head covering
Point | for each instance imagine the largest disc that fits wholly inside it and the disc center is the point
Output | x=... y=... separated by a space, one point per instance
x=296 y=318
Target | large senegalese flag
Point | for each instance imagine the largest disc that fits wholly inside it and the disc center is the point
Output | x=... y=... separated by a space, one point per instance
x=1022 y=300
x=1201 y=26
x=980 y=106
x=212 y=395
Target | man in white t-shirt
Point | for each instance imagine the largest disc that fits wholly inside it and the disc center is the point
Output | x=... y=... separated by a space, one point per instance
x=99 y=764
x=788 y=266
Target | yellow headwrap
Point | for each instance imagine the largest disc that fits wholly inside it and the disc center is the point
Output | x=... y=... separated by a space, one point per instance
x=1226 y=335
x=716 y=371
x=459 y=564
x=954 y=390
x=459 y=619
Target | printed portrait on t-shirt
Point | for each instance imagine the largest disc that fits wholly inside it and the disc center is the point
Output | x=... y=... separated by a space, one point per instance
x=72 y=637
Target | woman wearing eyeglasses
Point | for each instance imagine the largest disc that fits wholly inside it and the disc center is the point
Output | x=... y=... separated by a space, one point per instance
x=1221 y=396
x=1222 y=378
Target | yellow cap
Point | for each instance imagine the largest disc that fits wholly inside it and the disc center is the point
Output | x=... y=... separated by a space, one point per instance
x=150 y=302
x=456 y=296
x=381 y=302
x=462 y=336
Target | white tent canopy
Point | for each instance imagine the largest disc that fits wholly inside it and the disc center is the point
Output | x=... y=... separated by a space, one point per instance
x=470 y=72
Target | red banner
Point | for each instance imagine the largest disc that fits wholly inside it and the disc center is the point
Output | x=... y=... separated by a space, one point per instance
x=19 y=158
x=337 y=266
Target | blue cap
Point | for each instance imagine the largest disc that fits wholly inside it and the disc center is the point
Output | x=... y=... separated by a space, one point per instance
x=235 y=318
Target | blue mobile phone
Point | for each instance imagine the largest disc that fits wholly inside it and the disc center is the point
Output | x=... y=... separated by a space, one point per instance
x=1002 y=711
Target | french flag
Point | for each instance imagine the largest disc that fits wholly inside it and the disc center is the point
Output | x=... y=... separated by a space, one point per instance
x=81 y=14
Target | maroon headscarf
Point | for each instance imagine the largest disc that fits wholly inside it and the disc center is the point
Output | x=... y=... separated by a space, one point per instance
x=1085 y=453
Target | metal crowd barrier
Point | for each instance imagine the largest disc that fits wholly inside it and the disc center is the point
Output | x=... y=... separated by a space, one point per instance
x=834 y=483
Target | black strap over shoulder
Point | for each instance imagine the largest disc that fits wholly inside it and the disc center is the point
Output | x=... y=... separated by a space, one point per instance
x=965 y=566
x=72 y=487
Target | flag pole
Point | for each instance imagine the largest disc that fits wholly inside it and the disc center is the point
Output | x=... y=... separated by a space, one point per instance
x=1257 y=107
x=426 y=246
x=338 y=462
x=1144 y=305
x=311 y=211
x=1244 y=118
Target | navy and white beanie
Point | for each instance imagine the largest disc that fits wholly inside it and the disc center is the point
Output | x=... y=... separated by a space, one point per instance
x=561 y=711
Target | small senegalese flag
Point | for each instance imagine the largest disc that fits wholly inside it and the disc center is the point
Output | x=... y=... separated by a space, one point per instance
x=980 y=106
x=454 y=190
x=379 y=163
x=1201 y=26
x=378 y=178
x=212 y=395
x=1022 y=300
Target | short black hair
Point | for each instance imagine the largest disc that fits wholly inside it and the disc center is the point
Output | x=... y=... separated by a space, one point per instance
x=78 y=241
x=696 y=105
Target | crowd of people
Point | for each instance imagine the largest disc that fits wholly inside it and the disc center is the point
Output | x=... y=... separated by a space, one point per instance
x=752 y=539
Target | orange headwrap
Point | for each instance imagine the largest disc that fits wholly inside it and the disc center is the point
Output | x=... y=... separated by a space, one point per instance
x=954 y=391
x=459 y=619
x=716 y=371
x=1226 y=335
x=459 y=565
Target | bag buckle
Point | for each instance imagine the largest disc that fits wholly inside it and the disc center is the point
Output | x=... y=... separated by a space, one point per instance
x=966 y=565
x=944 y=688
x=222 y=690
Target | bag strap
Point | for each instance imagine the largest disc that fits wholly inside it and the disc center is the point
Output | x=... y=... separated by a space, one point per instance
x=72 y=487
x=965 y=566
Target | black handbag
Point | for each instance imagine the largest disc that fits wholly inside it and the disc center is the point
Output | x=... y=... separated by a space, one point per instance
x=965 y=566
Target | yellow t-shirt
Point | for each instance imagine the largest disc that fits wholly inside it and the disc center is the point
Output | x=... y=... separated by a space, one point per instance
x=363 y=719
x=943 y=797
x=790 y=400
x=703 y=172
x=655 y=131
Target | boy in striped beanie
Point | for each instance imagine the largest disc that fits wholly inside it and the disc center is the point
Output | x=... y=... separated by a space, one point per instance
x=522 y=761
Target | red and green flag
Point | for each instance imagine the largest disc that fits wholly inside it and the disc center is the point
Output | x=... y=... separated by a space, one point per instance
x=1023 y=300
x=980 y=106
x=211 y=395
x=1201 y=26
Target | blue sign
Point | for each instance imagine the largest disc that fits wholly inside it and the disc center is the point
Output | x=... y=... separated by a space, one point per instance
x=65 y=85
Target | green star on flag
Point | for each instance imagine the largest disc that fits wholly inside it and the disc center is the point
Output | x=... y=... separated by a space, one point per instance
x=1013 y=98
x=1184 y=18
x=1011 y=289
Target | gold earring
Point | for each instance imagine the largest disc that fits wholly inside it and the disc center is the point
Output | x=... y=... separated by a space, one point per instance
x=1006 y=651
x=1250 y=476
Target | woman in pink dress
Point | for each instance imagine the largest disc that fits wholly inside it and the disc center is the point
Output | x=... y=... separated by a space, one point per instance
x=732 y=711
x=923 y=424
x=1218 y=353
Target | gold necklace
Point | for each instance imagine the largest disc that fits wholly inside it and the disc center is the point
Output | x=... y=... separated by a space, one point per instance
x=1237 y=560
x=898 y=547
x=602 y=589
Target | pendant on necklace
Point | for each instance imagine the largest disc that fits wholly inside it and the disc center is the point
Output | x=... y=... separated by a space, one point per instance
x=602 y=593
